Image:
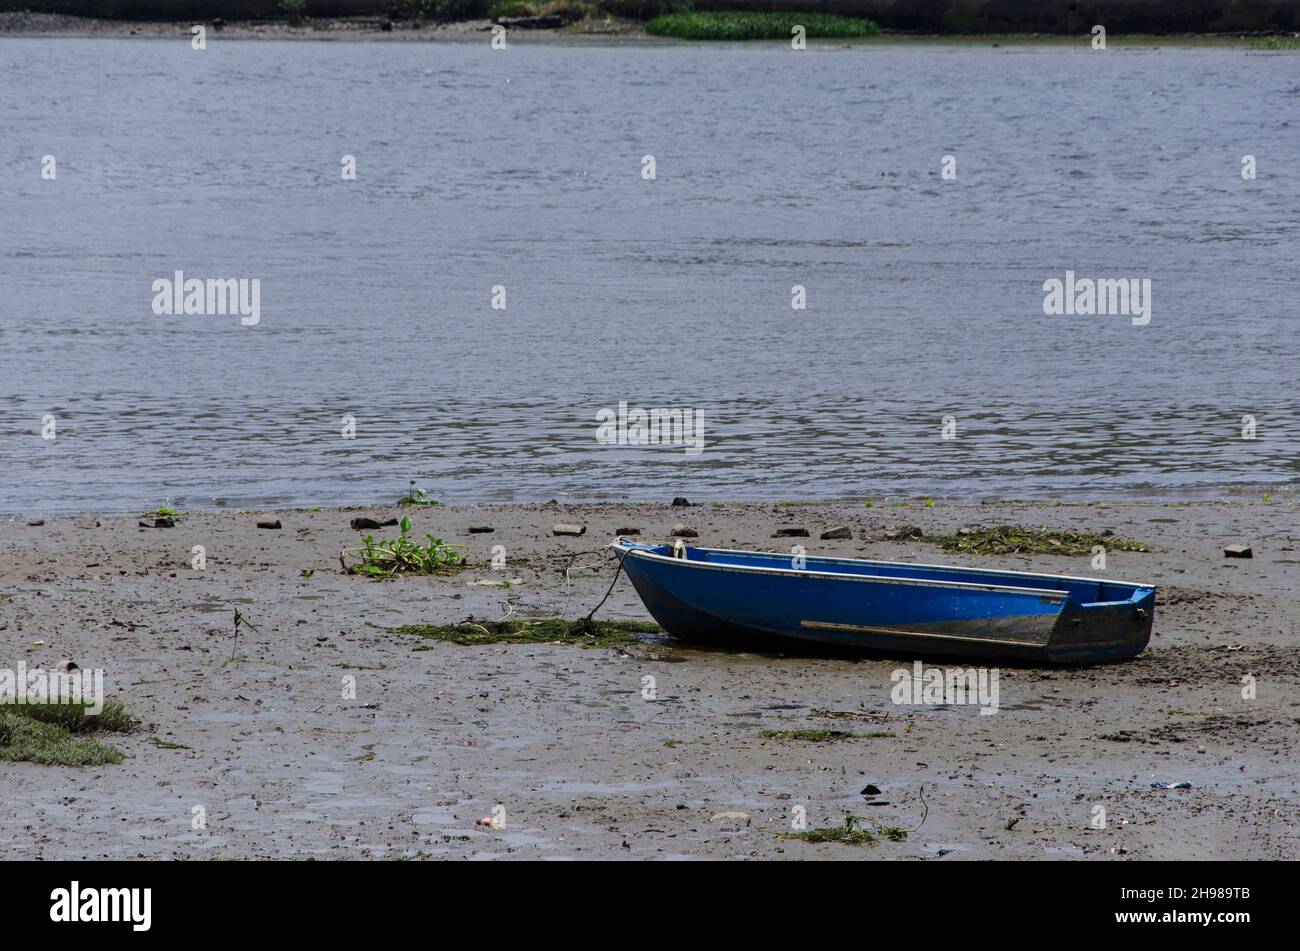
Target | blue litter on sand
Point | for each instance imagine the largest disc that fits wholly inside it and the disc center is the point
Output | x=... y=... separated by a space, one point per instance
x=1183 y=785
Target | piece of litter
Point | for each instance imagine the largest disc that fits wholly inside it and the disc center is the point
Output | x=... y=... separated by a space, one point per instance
x=1183 y=785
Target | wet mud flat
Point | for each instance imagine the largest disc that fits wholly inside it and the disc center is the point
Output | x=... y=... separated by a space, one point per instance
x=644 y=749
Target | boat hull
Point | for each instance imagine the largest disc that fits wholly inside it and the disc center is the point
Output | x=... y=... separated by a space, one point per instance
x=746 y=599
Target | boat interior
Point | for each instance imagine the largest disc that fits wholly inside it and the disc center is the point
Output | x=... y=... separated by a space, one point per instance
x=1081 y=590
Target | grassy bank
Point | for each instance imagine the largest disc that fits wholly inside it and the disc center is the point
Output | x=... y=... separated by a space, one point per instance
x=748 y=25
x=53 y=734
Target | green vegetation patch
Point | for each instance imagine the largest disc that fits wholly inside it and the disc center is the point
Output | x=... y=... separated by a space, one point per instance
x=1017 y=540
x=749 y=25
x=46 y=733
x=73 y=717
x=415 y=496
x=851 y=833
x=390 y=556
x=584 y=633
x=1277 y=43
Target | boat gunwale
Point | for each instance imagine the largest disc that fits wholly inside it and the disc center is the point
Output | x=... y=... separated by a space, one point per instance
x=872 y=579
x=647 y=552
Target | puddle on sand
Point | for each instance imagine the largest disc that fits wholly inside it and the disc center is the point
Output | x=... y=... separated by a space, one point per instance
x=443 y=818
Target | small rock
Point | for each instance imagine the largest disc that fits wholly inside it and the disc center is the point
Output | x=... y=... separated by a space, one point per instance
x=903 y=531
x=564 y=528
x=269 y=523
x=680 y=502
x=165 y=522
x=36 y=523
x=1237 y=551
x=628 y=531
x=870 y=790
x=481 y=529
x=66 y=665
x=681 y=531
x=833 y=534
x=790 y=533
x=730 y=817
x=361 y=522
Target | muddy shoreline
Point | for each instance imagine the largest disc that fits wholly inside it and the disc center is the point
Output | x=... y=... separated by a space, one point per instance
x=564 y=740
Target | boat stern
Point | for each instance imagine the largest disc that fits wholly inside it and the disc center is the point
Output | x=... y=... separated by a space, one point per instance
x=1103 y=631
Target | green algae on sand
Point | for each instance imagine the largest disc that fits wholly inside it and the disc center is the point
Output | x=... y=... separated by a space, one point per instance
x=1018 y=540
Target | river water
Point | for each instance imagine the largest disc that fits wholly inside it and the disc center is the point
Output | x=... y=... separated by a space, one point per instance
x=524 y=170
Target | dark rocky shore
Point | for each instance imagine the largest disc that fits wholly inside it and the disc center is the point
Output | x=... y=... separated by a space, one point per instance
x=399 y=18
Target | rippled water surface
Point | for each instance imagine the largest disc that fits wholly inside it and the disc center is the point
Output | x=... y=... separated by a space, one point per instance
x=523 y=169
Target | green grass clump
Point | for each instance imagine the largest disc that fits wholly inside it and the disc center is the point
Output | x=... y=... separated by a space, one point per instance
x=1276 y=43
x=833 y=834
x=416 y=496
x=820 y=736
x=380 y=559
x=1016 y=540
x=749 y=25
x=73 y=718
x=45 y=734
x=582 y=633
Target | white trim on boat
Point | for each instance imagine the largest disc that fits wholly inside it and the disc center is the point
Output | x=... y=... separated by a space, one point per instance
x=1047 y=594
x=863 y=629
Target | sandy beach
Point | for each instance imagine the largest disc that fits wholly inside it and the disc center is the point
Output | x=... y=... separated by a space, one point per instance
x=564 y=740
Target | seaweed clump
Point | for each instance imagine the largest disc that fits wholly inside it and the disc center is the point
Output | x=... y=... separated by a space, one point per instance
x=1017 y=540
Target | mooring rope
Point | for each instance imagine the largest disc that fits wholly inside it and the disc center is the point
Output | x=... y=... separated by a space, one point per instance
x=611 y=588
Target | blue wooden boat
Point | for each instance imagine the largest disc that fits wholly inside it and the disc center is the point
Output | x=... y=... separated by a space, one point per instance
x=745 y=598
